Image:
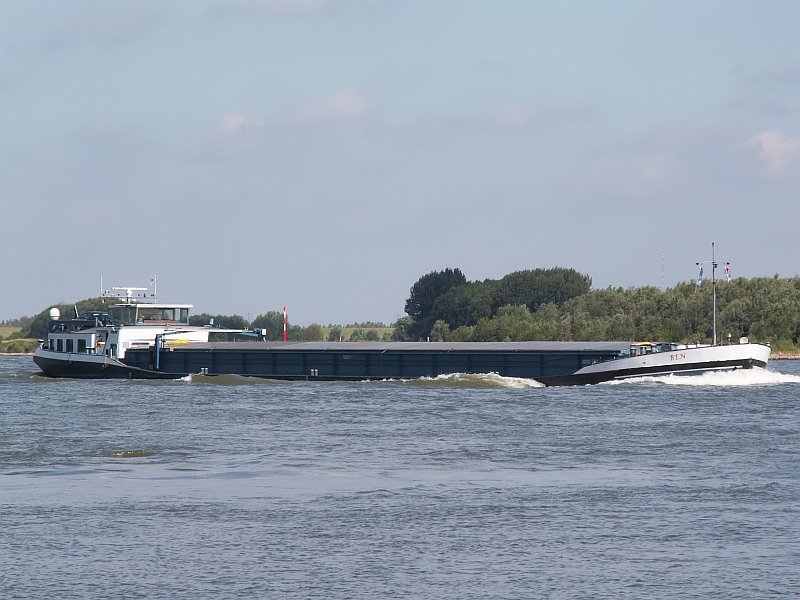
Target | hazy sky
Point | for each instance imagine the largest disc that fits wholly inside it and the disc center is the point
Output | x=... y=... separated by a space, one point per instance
x=327 y=153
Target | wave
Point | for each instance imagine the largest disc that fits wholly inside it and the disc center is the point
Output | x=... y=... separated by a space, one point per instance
x=226 y=379
x=463 y=380
x=737 y=378
x=138 y=453
x=475 y=380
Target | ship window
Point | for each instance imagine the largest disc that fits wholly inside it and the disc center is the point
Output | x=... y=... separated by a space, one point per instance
x=70 y=346
x=149 y=313
x=125 y=314
x=184 y=315
x=82 y=346
x=60 y=345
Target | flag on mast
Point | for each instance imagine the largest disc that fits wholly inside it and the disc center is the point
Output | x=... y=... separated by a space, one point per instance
x=728 y=271
x=700 y=277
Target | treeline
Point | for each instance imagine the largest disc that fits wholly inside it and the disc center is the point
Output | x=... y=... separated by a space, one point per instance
x=36 y=326
x=271 y=326
x=375 y=332
x=765 y=309
x=19 y=322
x=446 y=298
x=541 y=304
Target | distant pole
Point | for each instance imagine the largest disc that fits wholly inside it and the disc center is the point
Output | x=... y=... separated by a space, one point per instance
x=284 y=324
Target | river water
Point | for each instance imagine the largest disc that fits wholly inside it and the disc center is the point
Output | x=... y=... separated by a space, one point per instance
x=458 y=487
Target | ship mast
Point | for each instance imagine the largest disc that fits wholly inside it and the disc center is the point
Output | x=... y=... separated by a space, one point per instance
x=713 y=262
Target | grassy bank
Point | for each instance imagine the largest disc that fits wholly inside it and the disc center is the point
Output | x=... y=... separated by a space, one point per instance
x=781 y=355
x=347 y=332
x=15 y=346
x=21 y=346
x=7 y=332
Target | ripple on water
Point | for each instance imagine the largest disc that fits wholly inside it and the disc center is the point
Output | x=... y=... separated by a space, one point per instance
x=454 y=487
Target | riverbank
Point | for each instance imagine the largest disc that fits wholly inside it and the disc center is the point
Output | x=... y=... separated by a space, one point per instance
x=785 y=356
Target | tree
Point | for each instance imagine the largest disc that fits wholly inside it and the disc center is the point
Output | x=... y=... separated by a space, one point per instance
x=313 y=333
x=466 y=304
x=404 y=330
x=271 y=323
x=512 y=323
x=358 y=335
x=424 y=294
x=440 y=331
x=462 y=334
x=540 y=286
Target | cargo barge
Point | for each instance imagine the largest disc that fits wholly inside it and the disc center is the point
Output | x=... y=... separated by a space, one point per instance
x=321 y=361
x=139 y=338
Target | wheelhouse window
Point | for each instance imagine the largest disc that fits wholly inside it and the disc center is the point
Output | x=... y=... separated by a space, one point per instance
x=82 y=346
x=157 y=315
x=144 y=314
x=124 y=314
x=70 y=346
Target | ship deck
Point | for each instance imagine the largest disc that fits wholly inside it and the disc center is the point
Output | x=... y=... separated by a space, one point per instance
x=375 y=360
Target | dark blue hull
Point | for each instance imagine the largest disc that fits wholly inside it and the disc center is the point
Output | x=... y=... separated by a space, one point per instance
x=93 y=367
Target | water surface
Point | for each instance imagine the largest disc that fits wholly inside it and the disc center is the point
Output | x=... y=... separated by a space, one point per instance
x=457 y=487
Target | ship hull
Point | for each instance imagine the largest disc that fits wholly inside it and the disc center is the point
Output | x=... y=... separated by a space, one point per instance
x=308 y=361
x=77 y=366
x=686 y=361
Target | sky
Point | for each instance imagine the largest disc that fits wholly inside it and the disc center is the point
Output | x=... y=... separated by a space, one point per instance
x=325 y=154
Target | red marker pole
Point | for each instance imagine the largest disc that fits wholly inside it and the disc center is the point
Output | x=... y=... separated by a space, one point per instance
x=284 y=323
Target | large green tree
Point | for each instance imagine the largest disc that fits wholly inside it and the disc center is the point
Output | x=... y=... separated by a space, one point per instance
x=424 y=295
x=540 y=286
x=465 y=305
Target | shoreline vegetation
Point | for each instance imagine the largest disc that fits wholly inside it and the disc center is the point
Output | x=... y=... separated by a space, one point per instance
x=556 y=304
x=785 y=356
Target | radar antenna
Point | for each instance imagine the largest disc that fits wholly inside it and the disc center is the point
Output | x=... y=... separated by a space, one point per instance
x=131 y=293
